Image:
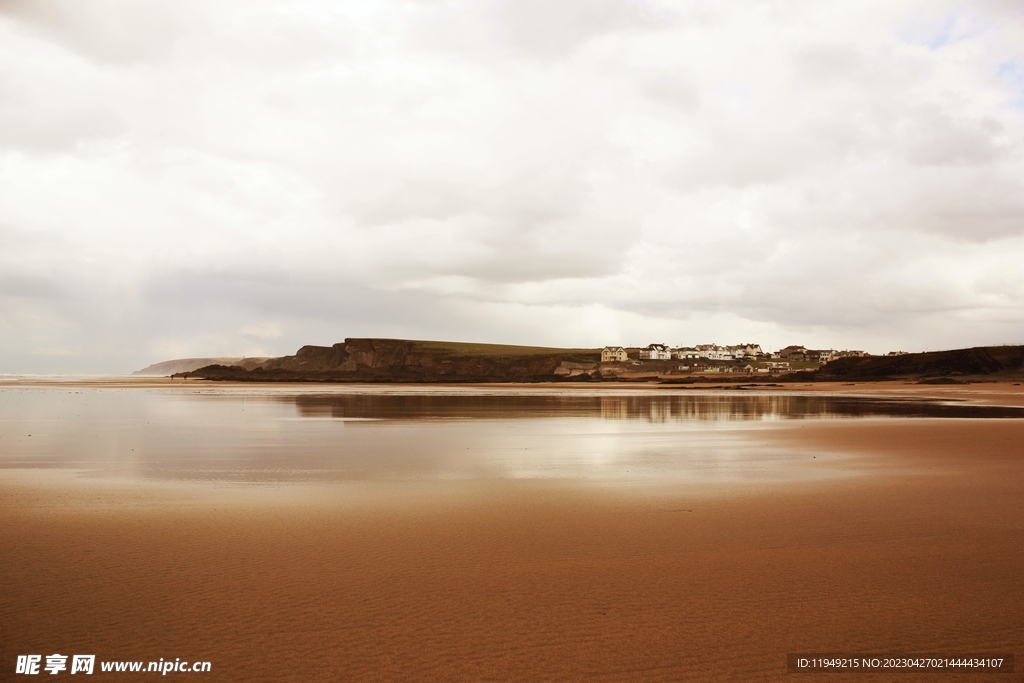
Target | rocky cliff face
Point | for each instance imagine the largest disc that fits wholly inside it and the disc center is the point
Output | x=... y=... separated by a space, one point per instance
x=397 y=360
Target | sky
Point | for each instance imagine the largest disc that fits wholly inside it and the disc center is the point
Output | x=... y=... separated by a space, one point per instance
x=242 y=177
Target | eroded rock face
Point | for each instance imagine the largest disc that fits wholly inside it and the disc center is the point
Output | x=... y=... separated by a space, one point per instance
x=397 y=360
x=570 y=369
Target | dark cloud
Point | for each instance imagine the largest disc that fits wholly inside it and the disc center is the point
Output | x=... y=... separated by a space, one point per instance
x=673 y=90
x=828 y=65
x=118 y=31
x=52 y=128
x=934 y=138
x=550 y=30
x=30 y=286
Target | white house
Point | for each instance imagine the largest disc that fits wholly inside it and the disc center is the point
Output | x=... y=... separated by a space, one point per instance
x=742 y=351
x=685 y=353
x=751 y=350
x=720 y=353
x=614 y=354
x=714 y=352
x=655 y=352
x=704 y=349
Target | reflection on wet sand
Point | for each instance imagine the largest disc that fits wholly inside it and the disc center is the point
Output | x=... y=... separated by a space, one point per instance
x=719 y=406
x=383 y=434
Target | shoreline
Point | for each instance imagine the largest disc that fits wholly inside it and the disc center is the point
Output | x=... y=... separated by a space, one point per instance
x=989 y=392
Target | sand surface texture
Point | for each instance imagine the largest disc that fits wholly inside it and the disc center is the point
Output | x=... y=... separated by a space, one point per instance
x=919 y=549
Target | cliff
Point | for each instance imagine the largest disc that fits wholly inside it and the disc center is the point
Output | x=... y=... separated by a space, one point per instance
x=399 y=360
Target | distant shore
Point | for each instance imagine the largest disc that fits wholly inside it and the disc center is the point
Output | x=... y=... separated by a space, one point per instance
x=990 y=391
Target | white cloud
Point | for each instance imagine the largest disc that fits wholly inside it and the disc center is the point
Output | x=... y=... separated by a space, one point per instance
x=210 y=178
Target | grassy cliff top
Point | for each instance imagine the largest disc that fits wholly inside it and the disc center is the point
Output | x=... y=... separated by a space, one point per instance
x=472 y=349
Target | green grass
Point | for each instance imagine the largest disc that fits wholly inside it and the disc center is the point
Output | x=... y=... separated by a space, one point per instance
x=802 y=365
x=503 y=350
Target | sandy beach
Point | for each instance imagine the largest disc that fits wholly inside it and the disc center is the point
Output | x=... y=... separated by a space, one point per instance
x=921 y=551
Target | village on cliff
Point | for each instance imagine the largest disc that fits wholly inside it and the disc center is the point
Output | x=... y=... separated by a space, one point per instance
x=743 y=358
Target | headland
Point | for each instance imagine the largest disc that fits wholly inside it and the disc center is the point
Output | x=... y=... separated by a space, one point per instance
x=412 y=361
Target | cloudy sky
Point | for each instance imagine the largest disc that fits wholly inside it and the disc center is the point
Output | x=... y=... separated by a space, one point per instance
x=197 y=178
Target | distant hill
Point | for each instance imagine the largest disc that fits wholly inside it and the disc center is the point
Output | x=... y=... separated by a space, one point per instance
x=171 y=367
x=402 y=360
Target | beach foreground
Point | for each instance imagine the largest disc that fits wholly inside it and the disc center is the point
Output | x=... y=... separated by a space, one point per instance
x=921 y=550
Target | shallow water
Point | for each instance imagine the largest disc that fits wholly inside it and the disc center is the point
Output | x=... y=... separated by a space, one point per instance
x=276 y=435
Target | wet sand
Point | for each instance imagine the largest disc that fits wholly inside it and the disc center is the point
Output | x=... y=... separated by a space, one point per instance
x=921 y=551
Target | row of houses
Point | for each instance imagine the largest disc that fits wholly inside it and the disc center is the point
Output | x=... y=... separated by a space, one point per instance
x=772 y=367
x=825 y=355
x=618 y=354
x=800 y=353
